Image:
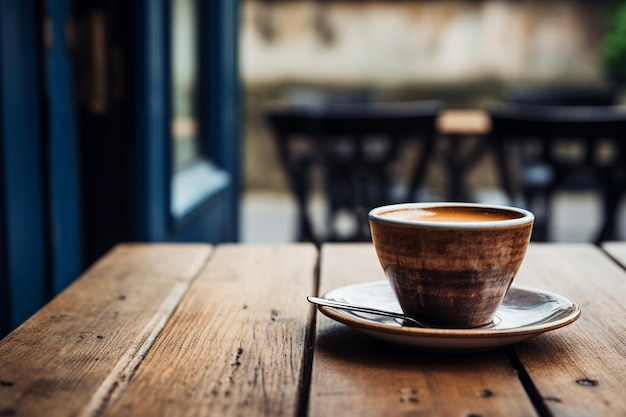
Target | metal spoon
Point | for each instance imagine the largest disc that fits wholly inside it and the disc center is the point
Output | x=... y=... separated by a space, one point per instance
x=352 y=307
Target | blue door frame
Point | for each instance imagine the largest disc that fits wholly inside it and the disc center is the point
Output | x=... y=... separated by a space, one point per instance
x=62 y=150
x=201 y=202
x=42 y=209
x=24 y=274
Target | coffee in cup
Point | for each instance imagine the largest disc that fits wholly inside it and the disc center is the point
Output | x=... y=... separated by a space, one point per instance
x=450 y=264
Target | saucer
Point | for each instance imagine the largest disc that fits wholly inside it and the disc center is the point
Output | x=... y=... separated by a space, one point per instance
x=525 y=313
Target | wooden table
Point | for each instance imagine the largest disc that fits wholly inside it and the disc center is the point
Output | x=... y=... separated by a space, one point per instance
x=463 y=122
x=190 y=329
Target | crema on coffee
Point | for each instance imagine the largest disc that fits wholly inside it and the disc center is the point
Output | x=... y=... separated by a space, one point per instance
x=452 y=214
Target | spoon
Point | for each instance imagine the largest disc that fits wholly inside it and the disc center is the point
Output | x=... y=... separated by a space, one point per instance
x=353 y=307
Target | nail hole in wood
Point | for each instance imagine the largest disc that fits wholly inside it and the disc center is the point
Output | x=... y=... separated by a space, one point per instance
x=586 y=382
x=486 y=393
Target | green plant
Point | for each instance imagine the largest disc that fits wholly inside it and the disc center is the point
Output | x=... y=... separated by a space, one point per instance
x=614 y=44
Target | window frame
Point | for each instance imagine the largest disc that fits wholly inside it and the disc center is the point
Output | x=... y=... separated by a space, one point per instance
x=171 y=205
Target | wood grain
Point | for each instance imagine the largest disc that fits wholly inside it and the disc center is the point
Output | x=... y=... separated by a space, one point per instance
x=176 y=330
x=236 y=344
x=356 y=375
x=579 y=370
x=78 y=352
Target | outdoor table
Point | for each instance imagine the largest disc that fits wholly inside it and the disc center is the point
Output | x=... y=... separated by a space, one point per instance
x=195 y=329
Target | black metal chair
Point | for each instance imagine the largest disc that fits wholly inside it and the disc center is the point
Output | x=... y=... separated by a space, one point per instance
x=561 y=148
x=564 y=95
x=355 y=146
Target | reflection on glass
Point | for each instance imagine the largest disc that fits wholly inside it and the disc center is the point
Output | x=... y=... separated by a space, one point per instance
x=184 y=84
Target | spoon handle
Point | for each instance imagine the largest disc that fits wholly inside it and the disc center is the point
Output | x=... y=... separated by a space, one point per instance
x=352 y=307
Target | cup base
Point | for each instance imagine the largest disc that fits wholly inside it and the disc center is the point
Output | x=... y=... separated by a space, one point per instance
x=495 y=321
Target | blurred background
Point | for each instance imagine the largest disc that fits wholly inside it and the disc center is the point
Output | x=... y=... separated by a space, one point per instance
x=465 y=53
x=147 y=120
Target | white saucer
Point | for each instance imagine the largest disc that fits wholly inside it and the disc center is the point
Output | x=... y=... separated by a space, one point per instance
x=525 y=313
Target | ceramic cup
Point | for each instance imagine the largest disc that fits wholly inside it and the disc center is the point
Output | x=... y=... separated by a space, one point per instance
x=450 y=264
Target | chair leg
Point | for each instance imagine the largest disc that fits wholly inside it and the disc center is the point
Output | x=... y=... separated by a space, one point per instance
x=547 y=216
x=610 y=203
x=502 y=166
x=541 y=206
x=305 y=229
x=419 y=172
x=300 y=187
x=456 y=186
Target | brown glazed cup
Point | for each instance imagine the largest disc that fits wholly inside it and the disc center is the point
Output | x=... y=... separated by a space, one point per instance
x=450 y=264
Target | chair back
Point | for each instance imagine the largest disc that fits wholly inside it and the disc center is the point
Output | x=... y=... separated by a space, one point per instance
x=573 y=95
x=356 y=148
x=559 y=148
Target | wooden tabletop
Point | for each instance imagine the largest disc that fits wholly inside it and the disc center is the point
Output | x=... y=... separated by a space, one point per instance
x=463 y=122
x=190 y=330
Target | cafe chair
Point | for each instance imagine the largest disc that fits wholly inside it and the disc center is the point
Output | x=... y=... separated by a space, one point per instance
x=563 y=95
x=355 y=149
x=545 y=149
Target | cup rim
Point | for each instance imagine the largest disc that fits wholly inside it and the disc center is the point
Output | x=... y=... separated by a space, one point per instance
x=376 y=215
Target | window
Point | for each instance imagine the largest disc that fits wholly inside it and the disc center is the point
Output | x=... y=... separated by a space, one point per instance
x=184 y=63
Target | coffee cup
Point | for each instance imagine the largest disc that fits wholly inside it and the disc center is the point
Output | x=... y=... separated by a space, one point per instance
x=450 y=264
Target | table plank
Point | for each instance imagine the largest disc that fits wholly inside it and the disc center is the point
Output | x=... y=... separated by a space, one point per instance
x=617 y=250
x=355 y=375
x=236 y=344
x=580 y=369
x=86 y=343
